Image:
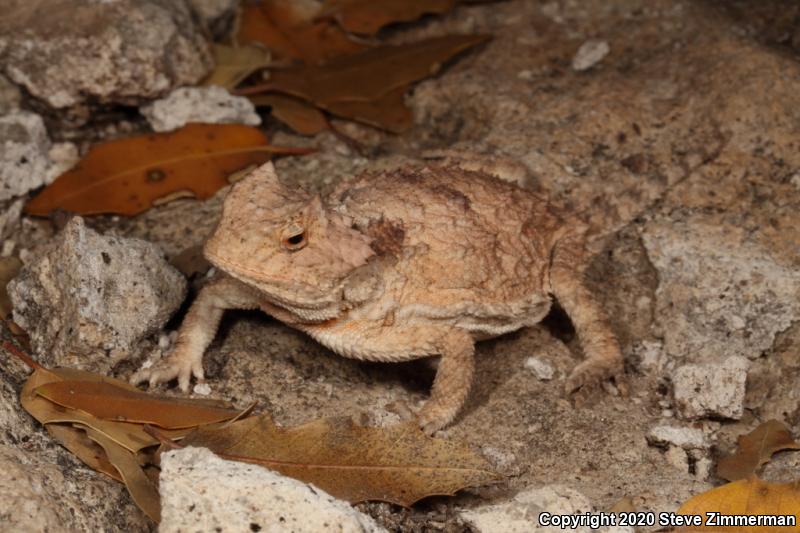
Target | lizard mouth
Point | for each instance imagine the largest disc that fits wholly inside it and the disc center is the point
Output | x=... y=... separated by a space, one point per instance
x=279 y=290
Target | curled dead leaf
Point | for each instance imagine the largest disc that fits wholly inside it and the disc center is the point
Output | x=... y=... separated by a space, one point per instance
x=755 y=449
x=232 y=64
x=398 y=464
x=289 y=29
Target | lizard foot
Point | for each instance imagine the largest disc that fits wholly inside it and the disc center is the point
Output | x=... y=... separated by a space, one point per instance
x=432 y=418
x=593 y=372
x=176 y=365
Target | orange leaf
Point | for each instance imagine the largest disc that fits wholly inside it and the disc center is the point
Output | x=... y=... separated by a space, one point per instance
x=288 y=29
x=108 y=402
x=369 y=16
x=127 y=176
x=755 y=449
x=749 y=498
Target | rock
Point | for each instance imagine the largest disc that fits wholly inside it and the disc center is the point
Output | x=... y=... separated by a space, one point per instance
x=712 y=389
x=542 y=369
x=682 y=437
x=46 y=490
x=522 y=513
x=590 y=54
x=9 y=96
x=201 y=492
x=211 y=105
x=24 y=147
x=216 y=14
x=87 y=293
x=121 y=51
x=720 y=293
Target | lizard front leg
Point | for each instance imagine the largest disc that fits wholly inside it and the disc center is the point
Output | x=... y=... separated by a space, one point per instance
x=197 y=331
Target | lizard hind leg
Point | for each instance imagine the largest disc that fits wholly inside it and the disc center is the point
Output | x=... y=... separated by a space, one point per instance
x=604 y=359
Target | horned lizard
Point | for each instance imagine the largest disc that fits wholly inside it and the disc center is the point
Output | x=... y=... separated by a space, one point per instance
x=394 y=266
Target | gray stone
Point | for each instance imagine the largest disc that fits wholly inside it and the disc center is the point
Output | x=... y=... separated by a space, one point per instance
x=521 y=514
x=720 y=294
x=91 y=295
x=590 y=54
x=24 y=147
x=542 y=369
x=216 y=14
x=201 y=492
x=210 y=105
x=9 y=95
x=712 y=389
x=682 y=437
x=73 y=52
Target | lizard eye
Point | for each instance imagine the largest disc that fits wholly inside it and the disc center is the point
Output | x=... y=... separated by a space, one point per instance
x=294 y=238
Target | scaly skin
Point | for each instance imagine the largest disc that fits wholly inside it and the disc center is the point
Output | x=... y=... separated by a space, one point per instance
x=397 y=266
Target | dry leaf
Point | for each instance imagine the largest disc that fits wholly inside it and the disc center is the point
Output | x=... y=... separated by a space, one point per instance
x=369 y=75
x=755 y=449
x=367 y=87
x=234 y=63
x=141 y=489
x=288 y=29
x=297 y=114
x=745 y=497
x=389 y=112
x=108 y=402
x=76 y=441
x=399 y=464
x=9 y=268
x=127 y=175
x=368 y=16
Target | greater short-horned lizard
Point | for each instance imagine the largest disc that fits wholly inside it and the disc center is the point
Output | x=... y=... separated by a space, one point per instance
x=395 y=266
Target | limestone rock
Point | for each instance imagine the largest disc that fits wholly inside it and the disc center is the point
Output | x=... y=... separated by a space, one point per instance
x=72 y=52
x=682 y=437
x=88 y=293
x=211 y=105
x=522 y=513
x=590 y=54
x=720 y=294
x=712 y=389
x=24 y=147
x=201 y=492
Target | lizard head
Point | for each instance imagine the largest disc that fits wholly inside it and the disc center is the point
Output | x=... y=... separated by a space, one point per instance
x=284 y=243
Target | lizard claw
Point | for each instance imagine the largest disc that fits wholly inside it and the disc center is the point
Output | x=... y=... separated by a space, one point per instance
x=174 y=366
x=593 y=372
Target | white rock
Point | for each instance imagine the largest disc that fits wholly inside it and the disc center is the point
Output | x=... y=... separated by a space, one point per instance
x=542 y=369
x=711 y=390
x=682 y=437
x=720 y=293
x=211 y=105
x=24 y=147
x=86 y=298
x=72 y=52
x=201 y=492
x=589 y=54
x=521 y=514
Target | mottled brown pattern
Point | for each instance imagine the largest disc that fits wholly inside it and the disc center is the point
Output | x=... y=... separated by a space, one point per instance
x=398 y=265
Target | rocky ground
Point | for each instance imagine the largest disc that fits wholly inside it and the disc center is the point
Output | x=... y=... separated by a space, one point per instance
x=680 y=145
